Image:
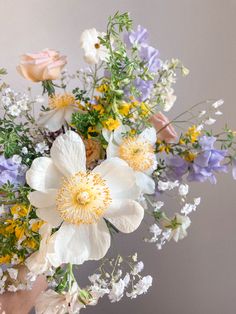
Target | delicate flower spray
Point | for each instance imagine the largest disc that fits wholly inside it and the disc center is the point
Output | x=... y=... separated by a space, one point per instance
x=96 y=159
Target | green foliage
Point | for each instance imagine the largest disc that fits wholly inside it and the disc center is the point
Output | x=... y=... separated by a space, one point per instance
x=82 y=121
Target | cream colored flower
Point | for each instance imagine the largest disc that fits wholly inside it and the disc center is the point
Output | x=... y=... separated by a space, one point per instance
x=51 y=302
x=94 y=51
x=61 y=109
x=44 y=65
x=179 y=233
x=78 y=200
x=137 y=151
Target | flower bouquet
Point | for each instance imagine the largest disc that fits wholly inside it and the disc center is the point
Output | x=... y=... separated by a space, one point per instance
x=98 y=157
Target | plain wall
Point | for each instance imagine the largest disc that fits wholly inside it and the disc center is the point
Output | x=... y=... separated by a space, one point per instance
x=197 y=275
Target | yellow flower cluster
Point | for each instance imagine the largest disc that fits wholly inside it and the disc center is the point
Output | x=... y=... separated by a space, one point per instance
x=20 y=230
x=163 y=147
x=192 y=134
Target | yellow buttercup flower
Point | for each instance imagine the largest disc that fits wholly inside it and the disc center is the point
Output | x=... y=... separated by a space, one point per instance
x=111 y=124
x=99 y=108
x=145 y=110
x=102 y=88
x=37 y=225
x=124 y=109
x=30 y=243
x=20 y=231
x=20 y=210
x=5 y=259
x=193 y=134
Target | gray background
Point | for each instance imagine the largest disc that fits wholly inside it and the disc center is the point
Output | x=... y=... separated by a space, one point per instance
x=196 y=276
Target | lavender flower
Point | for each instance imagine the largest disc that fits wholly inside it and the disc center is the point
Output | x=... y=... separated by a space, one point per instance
x=150 y=55
x=11 y=171
x=137 y=37
x=207 y=162
x=177 y=167
x=144 y=87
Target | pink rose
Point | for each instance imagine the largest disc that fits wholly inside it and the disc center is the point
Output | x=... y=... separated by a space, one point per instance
x=42 y=66
x=168 y=134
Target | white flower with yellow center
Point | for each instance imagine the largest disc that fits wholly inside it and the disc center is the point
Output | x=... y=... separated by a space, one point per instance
x=61 y=108
x=80 y=201
x=94 y=51
x=137 y=151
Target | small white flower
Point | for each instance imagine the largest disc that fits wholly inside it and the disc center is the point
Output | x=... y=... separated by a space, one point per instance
x=117 y=291
x=137 y=268
x=155 y=229
x=202 y=113
x=24 y=150
x=12 y=288
x=210 y=121
x=158 y=205
x=218 y=113
x=94 y=51
x=218 y=103
x=2 y=210
x=14 y=111
x=41 y=147
x=197 y=201
x=167 y=185
x=183 y=189
x=180 y=232
x=188 y=208
x=200 y=127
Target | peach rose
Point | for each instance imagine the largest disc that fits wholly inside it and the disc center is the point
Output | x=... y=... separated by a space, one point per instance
x=42 y=66
x=168 y=134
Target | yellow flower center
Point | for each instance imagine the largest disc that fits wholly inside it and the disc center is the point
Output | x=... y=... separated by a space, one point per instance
x=83 y=198
x=137 y=153
x=61 y=101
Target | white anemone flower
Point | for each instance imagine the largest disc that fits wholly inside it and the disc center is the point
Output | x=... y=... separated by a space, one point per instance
x=94 y=51
x=137 y=151
x=61 y=109
x=80 y=201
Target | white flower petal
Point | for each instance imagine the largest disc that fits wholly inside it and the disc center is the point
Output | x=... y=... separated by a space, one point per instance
x=43 y=174
x=146 y=184
x=52 y=119
x=50 y=215
x=76 y=244
x=112 y=149
x=68 y=153
x=119 y=133
x=149 y=134
x=68 y=113
x=125 y=215
x=119 y=177
x=43 y=199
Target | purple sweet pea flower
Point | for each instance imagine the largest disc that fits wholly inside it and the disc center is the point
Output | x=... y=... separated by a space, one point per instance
x=150 y=55
x=177 y=167
x=144 y=87
x=138 y=37
x=207 y=162
x=11 y=171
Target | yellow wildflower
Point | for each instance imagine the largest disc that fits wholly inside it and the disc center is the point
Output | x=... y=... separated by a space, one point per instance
x=99 y=108
x=111 y=124
x=37 y=225
x=144 y=109
x=30 y=243
x=20 y=210
x=193 y=134
x=61 y=101
x=124 y=109
x=20 y=231
x=5 y=259
x=102 y=88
